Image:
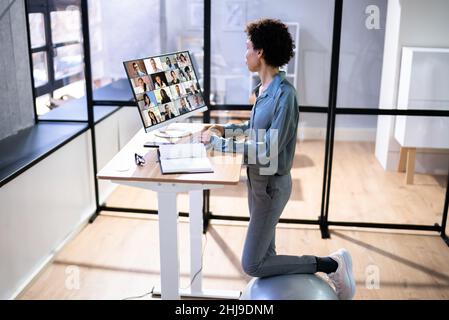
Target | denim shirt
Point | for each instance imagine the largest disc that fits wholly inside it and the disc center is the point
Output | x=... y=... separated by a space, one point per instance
x=276 y=113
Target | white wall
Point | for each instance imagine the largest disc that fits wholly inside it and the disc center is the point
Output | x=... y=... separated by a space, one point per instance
x=48 y=203
x=409 y=23
x=40 y=208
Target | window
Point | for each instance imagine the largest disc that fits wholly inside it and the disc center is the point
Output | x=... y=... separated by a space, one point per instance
x=40 y=68
x=57 y=55
x=37 y=28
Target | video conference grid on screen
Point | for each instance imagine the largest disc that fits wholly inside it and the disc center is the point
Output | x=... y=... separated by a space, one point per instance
x=164 y=86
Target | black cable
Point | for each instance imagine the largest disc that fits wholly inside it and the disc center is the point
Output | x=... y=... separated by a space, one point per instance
x=138 y=297
x=198 y=272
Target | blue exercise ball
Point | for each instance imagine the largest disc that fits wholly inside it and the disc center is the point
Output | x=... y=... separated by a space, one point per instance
x=289 y=287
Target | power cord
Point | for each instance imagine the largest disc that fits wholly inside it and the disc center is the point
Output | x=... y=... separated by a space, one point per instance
x=191 y=282
x=201 y=269
x=138 y=297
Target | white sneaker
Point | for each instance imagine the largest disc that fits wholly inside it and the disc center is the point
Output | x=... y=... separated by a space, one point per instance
x=343 y=279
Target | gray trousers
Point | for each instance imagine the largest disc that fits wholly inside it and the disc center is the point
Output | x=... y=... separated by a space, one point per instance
x=267 y=197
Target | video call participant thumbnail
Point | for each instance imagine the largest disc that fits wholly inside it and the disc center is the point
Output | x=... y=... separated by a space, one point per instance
x=170 y=63
x=189 y=73
x=152 y=117
x=153 y=65
x=148 y=100
x=182 y=60
x=163 y=95
x=172 y=77
x=136 y=69
x=142 y=84
x=159 y=80
x=168 y=111
x=177 y=91
x=195 y=101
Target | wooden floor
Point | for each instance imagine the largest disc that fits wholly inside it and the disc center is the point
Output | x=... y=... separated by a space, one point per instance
x=118 y=256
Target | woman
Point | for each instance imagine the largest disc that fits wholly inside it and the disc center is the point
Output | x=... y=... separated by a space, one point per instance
x=196 y=101
x=182 y=60
x=146 y=101
x=270 y=46
x=141 y=86
x=174 y=77
x=165 y=97
x=152 y=117
x=188 y=73
x=159 y=82
x=193 y=89
x=182 y=75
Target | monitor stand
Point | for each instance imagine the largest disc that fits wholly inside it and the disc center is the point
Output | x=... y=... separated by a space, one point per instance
x=169 y=135
x=172 y=132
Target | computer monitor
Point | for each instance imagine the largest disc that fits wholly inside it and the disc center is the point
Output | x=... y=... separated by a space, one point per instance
x=166 y=90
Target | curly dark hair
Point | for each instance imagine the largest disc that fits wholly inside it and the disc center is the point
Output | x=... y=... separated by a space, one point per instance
x=274 y=38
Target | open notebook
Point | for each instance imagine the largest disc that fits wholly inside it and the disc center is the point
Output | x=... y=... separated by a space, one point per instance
x=184 y=158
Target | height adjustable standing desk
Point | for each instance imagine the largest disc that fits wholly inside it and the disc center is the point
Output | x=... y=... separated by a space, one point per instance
x=123 y=170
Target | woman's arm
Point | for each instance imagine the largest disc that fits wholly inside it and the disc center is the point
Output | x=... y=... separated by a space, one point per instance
x=282 y=129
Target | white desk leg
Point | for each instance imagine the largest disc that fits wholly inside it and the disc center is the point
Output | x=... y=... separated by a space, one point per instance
x=168 y=243
x=168 y=260
x=196 y=243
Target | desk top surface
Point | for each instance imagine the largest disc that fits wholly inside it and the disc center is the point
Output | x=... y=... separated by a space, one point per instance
x=122 y=167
